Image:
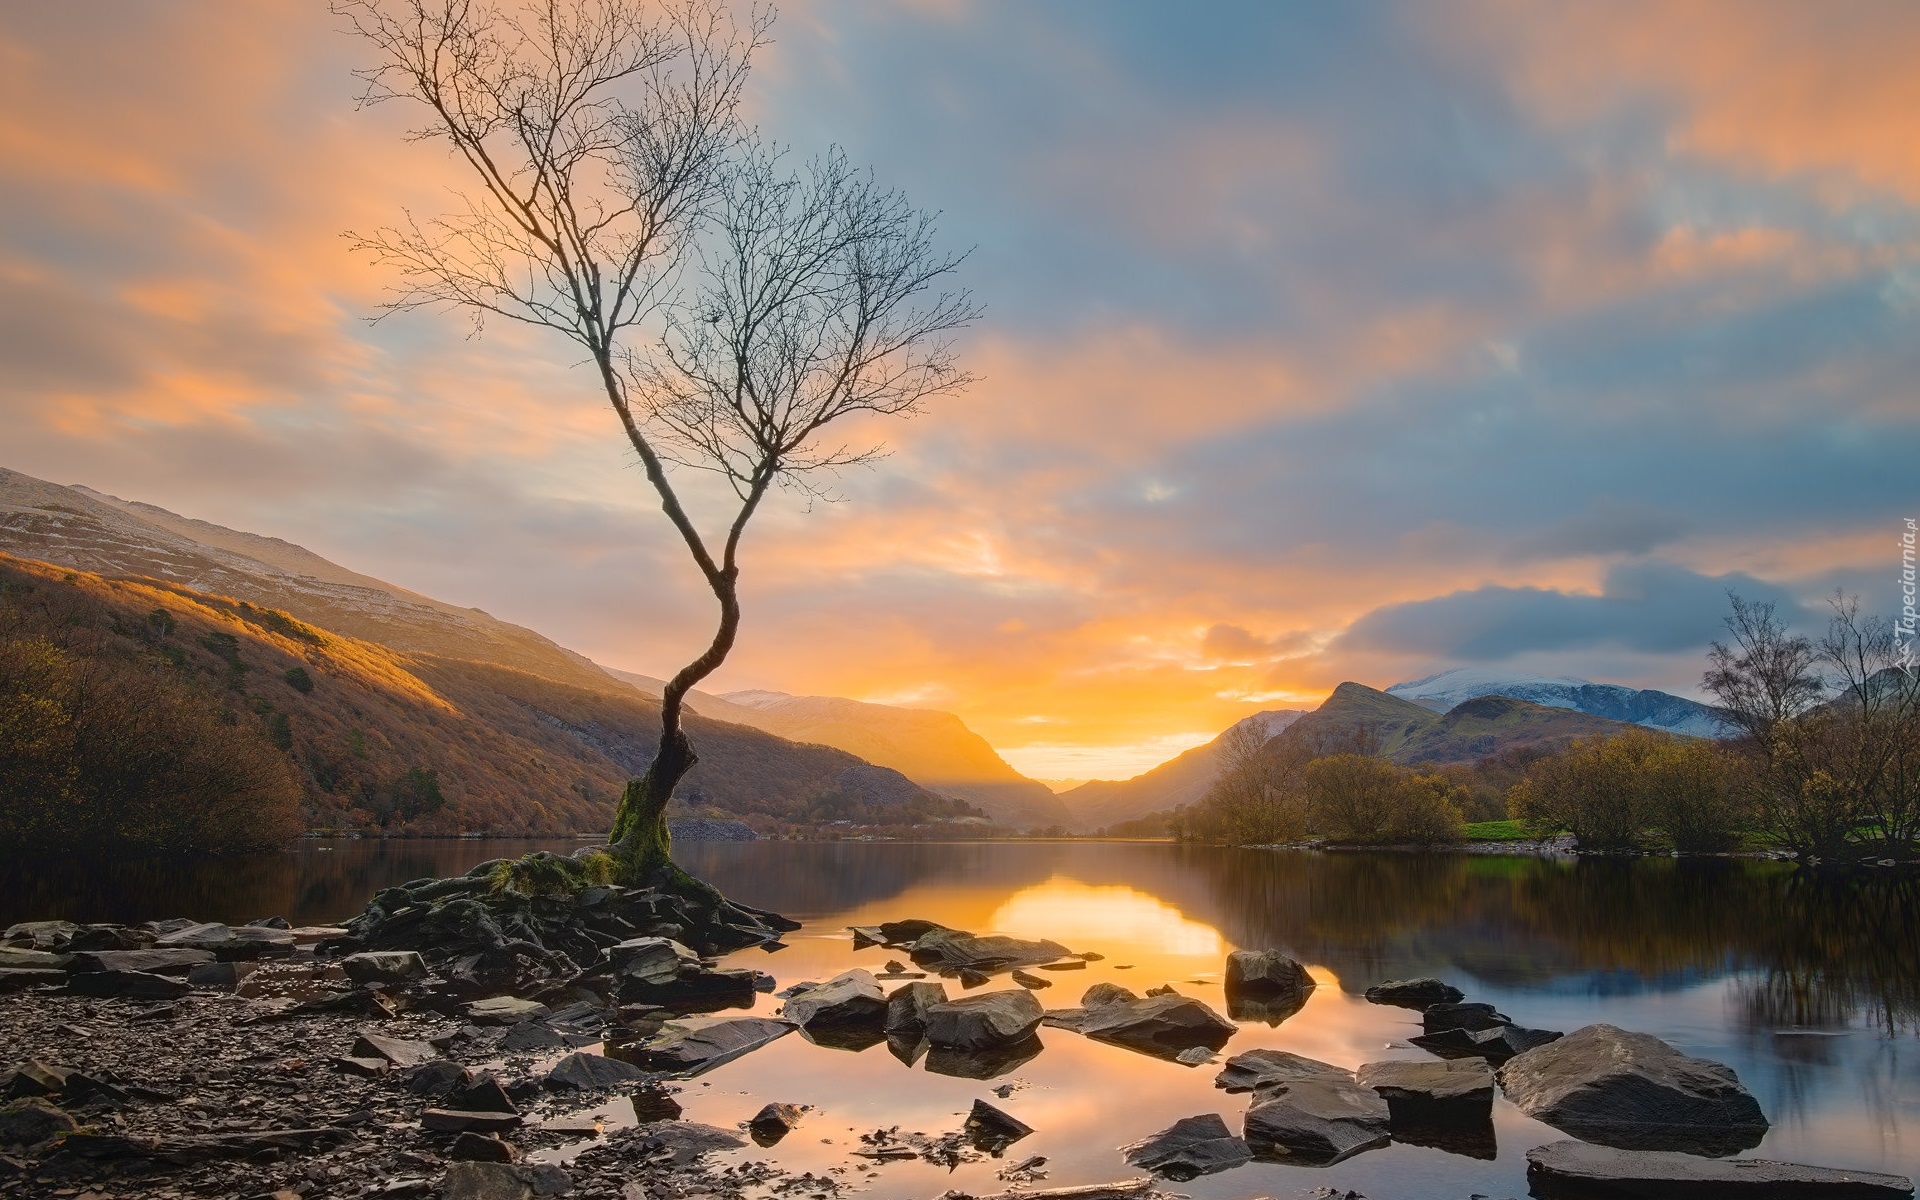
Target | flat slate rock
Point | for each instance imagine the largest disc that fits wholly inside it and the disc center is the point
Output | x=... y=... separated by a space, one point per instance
x=983 y=1022
x=453 y=1120
x=1438 y=1018
x=131 y=985
x=1633 y=1091
x=1495 y=1045
x=907 y=1005
x=1258 y=1069
x=14 y=979
x=592 y=1072
x=1161 y=1026
x=401 y=1052
x=687 y=1140
x=851 y=999
x=384 y=966
x=1578 y=1170
x=952 y=950
x=1318 y=1121
x=1416 y=994
x=1189 y=1148
x=506 y=1010
x=13 y=958
x=1467 y=1081
x=691 y=1045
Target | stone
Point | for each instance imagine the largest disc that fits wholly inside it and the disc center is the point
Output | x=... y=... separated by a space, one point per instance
x=1319 y=1121
x=42 y=935
x=130 y=985
x=384 y=966
x=187 y=1149
x=1266 y=972
x=109 y=937
x=691 y=1045
x=654 y=960
x=1189 y=1148
x=952 y=950
x=981 y=1022
x=1071 y=964
x=530 y=1036
x=35 y=1078
x=687 y=1140
x=485 y=1181
x=1495 y=1045
x=366 y=1066
x=1257 y=1070
x=248 y=941
x=401 y=1052
x=1439 y=1018
x=990 y=1129
x=482 y=1094
x=591 y=1073
x=907 y=1005
x=13 y=959
x=1576 y=1169
x=457 y=1120
x=1417 y=994
x=851 y=999
x=1161 y=1025
x=903 y=933
x=1430 y=1084
x=1633 y=1091
x=1194 y=1056
x=437 y=1078
x=27 y=1123
x=1447 y=1105
x=307 y=935
x=1030 y=981
x=220 y=976
x=1106 y=993
x=481 y=1147
x=505 y=1010
x=772 y=1123
x=17 y=979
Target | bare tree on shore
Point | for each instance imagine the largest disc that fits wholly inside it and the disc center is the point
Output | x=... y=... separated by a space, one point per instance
x=732 y=306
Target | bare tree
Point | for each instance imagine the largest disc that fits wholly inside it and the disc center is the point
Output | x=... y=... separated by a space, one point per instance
x=1766 y=676
x=731 y=309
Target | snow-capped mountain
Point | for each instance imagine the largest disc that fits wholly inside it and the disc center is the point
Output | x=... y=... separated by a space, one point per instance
x=1644 y=706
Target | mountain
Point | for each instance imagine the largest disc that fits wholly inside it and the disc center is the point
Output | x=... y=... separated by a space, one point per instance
x=935 y=748
x=90 y=531
x=1654 y=709
x=1357 y=718
x=406 y=741
x=1100 y=803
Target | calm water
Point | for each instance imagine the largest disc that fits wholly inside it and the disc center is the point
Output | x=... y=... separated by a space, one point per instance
x=1809 y=989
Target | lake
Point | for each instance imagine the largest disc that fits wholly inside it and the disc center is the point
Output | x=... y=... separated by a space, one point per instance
x=1808 y=986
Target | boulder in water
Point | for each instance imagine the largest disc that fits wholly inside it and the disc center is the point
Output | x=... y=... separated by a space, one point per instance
x=1576 y=1169
x=1417 y=994
x=1633 y=1091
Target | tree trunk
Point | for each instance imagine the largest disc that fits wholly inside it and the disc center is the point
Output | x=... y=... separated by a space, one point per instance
x=639 y=841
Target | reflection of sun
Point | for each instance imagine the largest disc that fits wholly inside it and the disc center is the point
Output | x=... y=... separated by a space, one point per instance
x=1062 y=909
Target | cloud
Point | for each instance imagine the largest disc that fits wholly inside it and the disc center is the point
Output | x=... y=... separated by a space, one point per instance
x=1648 y=606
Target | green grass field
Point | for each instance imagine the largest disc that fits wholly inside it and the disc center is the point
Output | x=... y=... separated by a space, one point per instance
x=1497 y=831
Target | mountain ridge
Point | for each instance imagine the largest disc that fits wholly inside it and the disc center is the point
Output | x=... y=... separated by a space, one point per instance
x=1182 y=779
x=1639 y=706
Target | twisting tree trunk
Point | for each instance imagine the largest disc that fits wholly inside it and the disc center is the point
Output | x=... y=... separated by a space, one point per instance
x=603 y=137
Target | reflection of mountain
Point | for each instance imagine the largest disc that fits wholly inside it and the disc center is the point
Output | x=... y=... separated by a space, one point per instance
x=1654 y=709
x=1099 y=803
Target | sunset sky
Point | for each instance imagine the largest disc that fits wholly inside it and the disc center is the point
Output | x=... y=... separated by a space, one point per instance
x=1322 y=342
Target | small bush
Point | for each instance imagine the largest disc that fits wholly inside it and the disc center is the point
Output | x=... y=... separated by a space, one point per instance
x=298 y=679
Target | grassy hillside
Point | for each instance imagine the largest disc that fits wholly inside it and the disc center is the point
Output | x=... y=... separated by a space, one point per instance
x=423 y=743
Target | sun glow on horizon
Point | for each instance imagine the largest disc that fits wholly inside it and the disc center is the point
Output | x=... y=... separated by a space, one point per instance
x=1068 y=910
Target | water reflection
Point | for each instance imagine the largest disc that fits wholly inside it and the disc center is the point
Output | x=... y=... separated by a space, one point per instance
x=1808 y=986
